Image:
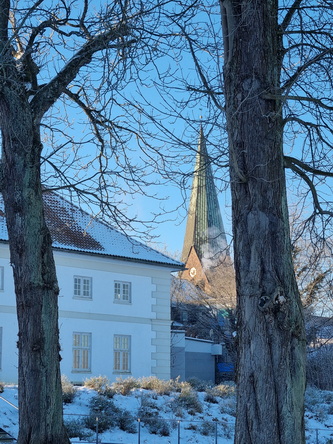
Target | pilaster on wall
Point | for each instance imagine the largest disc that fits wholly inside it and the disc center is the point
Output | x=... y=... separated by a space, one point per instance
x=161 y=325
x=162 y=345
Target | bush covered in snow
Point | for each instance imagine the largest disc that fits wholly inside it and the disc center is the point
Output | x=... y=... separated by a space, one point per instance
x=320 y=368
x=68 y=390
x=162 y=411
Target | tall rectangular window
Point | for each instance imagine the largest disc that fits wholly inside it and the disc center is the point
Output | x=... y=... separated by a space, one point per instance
x=122 y=292
x=82 y=287
x=122 y=354
x=81 y=351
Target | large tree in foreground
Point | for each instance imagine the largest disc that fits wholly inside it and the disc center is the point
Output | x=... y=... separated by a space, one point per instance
x=59 y=59
x=277 y=62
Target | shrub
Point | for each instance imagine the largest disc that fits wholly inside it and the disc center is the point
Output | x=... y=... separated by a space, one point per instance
x=320 y=368
x=103 y=409
x=191 y=427
x=159 y=427
x=101 y=385
x=105 y=422
x=210 y=397
x=157 y=385
x=199 y=385
x=147 y=403
x=108 y=391
x=227 y=430
x=321 y=413
x=207 y=428
x=97 y=383
x=68 y=390
x=75 y=429
x=155 y=425
x=148 y=408
x=328 y=397
x=224 y=390
x=109 y=416
x=148 y=414
x=228 y=407
x=100 y=404
x=312 y=398
x=176 y=408
x=183 y=386
x=176 y=385
x=125 y=386
x=126 y=421
x=188 y=399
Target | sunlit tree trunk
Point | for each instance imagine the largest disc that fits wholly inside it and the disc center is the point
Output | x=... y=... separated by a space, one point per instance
x=271 y=339
x=40 y=398
x=23 y=105
x=40 y=401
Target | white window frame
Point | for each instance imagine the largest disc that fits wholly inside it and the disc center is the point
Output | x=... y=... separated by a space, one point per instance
x=80 y=290
x=2 y=278
x=122 y=354
x=81 y=352
x=122 y=292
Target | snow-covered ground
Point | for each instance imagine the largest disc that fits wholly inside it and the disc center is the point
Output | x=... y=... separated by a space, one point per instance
x=167 y=414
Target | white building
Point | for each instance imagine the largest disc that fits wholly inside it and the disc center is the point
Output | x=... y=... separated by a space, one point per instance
x=114 y=302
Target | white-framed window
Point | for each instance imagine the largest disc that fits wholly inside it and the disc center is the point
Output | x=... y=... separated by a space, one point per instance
x=81 y=352
x=82 y=287
x=2 y=278
x=121 y=353
x=122 y=292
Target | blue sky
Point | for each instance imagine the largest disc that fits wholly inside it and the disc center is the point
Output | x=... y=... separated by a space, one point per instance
x=154 y=98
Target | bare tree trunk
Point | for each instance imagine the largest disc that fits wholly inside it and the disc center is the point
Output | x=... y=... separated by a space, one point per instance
x=271 y=338
x=40 y=399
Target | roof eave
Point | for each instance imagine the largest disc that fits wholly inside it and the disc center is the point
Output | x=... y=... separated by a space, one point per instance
x=124 y=258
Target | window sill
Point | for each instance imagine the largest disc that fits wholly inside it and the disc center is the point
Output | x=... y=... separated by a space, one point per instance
x=82 y=298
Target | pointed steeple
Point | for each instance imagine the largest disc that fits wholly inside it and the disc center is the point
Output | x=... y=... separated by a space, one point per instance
x=204 y=229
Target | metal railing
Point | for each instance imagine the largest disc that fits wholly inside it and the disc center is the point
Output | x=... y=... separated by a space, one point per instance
x=320 y=436
x=211 y=431
x=215 y=431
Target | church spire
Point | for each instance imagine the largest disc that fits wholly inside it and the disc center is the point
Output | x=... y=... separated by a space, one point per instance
x=204 y=229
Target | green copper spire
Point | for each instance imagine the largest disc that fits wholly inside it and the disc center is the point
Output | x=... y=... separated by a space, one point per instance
x=204 y=229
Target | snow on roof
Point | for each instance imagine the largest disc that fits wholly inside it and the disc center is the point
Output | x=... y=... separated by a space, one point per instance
x=73 y=229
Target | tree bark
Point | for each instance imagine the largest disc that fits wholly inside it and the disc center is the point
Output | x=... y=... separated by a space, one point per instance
x=40 y=395
x=23 y=104
x=271 y=338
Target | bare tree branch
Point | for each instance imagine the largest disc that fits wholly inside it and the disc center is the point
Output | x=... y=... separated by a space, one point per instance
x=292 y=164
x=49 y=93
x=290 y=13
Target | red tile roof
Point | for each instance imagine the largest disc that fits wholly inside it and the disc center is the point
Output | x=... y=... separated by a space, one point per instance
x=75 y=230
